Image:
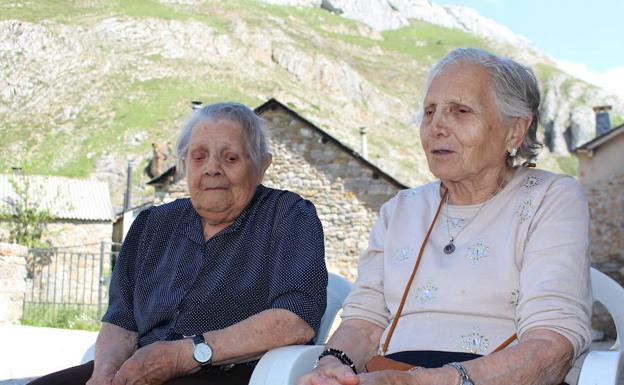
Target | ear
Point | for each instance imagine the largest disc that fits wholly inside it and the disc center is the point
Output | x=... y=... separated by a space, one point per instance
x=265 y=166
x=518 y=130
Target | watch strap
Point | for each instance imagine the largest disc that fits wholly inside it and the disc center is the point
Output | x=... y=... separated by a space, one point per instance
x=198 y=339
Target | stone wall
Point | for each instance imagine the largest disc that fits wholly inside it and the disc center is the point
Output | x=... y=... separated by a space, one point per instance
x=347 y=193
x=64 y=233
x=85 y=236
x=12 y=281
x=606 y=207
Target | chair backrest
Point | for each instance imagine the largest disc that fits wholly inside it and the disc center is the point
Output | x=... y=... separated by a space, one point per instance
x=338 y=289
x=611 y=295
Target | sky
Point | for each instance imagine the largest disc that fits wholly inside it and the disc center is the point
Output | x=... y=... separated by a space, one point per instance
x=585 y=37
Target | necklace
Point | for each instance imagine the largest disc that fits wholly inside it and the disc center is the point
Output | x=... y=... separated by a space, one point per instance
x=450 y=246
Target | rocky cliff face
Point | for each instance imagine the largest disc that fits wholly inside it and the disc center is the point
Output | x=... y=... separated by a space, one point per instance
x=84 y=90
x=567 y=115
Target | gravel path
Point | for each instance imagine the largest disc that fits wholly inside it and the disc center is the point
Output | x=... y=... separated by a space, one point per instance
x=27 y=352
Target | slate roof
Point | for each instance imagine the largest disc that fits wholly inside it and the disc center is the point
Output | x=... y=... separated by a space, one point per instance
x=65 y=198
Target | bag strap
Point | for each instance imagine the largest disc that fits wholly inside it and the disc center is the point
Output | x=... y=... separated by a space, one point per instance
x=505 y=343
x=411 y=279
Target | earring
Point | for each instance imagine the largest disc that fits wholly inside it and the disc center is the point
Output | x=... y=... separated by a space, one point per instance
x=513 y=152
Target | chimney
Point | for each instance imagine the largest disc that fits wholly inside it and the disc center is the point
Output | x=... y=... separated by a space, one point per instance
x=196 y=104
x=364 y=145
x=603 y=122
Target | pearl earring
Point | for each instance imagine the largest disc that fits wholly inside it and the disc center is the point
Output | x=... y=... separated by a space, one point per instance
x=513 y=152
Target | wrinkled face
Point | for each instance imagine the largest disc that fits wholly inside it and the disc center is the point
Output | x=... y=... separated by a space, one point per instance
x=221 y=176
x=462 y=132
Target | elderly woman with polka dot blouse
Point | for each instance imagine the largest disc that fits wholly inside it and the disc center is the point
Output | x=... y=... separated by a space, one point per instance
x=203 y=286
x=498 y=251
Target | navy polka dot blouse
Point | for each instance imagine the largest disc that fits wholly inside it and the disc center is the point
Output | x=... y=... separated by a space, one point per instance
x=168 y=281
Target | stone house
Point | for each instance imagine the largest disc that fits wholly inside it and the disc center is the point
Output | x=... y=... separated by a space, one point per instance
x=601 y=172
x=346 y=188
x=81 y=209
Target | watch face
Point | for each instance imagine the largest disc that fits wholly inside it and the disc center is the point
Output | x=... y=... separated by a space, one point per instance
x=202 y=353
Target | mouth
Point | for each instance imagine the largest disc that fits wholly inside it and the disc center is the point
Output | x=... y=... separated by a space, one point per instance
x=214 y=188
x=442 y=151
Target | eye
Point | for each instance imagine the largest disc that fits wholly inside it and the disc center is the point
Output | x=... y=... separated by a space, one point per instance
x=231 y=157
x=198 y=155
x=462 y=109
x=429 y=111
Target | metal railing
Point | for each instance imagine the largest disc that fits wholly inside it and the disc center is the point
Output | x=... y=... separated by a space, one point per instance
x=68 y=287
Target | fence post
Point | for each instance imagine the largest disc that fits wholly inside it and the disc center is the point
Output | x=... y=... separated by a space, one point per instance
x=101 y=280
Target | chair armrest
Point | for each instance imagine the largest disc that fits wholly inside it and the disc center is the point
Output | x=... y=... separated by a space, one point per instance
x=88 y=355
x=602 y=368
x=282 y=366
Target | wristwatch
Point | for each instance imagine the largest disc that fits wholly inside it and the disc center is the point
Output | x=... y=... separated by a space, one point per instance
x=202 y=352
x=464 y=378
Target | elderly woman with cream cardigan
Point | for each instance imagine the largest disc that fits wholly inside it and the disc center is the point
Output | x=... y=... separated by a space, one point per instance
x=498 y=250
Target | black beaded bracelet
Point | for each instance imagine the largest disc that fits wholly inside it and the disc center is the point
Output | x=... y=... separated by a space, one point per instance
x=339 y=354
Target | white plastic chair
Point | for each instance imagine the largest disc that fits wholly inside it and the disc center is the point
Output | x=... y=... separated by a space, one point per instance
x=282 y=366
x=606 y=367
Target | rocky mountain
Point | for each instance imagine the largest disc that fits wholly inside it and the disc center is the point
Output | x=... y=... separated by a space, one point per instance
x=87 y=85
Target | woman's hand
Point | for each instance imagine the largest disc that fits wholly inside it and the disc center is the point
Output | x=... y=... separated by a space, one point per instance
x=158 y=362
x=101 y=379
x=330 y=371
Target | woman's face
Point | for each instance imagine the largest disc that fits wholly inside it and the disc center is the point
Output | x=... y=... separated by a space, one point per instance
x=220 y=174
x=462 y=132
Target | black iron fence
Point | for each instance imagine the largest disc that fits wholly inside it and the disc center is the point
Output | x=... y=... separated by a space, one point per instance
x=68 y=287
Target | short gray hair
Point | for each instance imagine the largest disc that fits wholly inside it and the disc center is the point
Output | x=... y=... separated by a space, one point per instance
x=253 y=127
x=515 y=88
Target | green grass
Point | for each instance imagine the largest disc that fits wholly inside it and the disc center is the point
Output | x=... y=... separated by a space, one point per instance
x=545 y=71
x=155 y=106
x=567 y=163
x=38 y=10
x=427 y=42
x=83 y=317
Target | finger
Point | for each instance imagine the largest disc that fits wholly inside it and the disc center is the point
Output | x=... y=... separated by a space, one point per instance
x=119 y=379
x=346 y=376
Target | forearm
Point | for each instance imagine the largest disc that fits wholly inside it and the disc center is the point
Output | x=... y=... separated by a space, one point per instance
x=113 y=346
x=542 y=357
x=257 y=334
x=359 y=339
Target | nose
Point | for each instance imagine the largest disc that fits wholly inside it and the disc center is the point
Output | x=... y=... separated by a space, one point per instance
x=439 y=122
x=212 y=166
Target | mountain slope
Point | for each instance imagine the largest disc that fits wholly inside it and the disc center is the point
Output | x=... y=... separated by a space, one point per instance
x=87 y=84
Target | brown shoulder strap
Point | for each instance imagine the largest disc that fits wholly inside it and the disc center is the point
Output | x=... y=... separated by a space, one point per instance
x=411 y=279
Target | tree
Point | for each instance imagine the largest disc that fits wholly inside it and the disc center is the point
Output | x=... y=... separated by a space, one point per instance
x=26 y=218
x=27 y=221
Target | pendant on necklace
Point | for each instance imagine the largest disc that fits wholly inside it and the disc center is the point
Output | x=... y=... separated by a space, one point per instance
x=448 y=249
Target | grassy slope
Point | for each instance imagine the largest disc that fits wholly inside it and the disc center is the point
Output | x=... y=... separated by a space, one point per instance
x=395 y=62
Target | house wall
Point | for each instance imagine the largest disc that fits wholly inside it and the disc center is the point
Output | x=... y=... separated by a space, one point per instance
x=602 y=175
x=606 y=209
x=347 y=193
x=63 y=233
x=605 y=162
